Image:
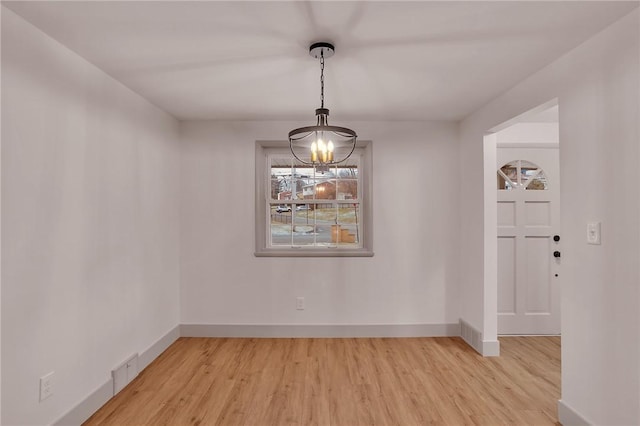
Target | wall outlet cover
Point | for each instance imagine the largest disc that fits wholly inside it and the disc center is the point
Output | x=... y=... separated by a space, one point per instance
x=46 y=386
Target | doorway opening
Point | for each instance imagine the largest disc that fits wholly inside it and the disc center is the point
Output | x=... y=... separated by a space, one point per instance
x=522 y=224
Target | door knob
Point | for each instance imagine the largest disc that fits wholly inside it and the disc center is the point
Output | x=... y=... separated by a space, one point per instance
x=556 y=238
x=556 y=254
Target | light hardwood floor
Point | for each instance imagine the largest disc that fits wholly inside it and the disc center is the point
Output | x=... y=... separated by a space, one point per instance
x=412 y=381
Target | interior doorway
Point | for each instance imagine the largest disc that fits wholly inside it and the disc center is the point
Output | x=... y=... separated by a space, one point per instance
x=526 y=181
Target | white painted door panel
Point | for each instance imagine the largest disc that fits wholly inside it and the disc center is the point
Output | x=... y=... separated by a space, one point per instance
x=528 y=219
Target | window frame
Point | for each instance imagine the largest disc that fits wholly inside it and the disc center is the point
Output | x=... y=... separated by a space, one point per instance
x=265 y=149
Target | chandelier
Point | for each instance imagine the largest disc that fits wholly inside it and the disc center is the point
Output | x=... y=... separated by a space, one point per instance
x=322 y=144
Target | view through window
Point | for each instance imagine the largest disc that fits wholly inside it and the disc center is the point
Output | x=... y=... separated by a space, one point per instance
x=314 y=206
x=521 y=174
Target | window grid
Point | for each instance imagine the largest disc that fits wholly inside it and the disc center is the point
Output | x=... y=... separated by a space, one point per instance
x=313 y=207
x=521 y=174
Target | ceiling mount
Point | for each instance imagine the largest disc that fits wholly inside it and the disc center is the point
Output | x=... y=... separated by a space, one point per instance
x=323 y=48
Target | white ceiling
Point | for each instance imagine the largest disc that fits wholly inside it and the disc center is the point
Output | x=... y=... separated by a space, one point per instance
x=248 y=60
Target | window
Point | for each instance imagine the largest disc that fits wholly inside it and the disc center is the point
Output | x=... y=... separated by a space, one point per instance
x=521 y=174
x=303 y=210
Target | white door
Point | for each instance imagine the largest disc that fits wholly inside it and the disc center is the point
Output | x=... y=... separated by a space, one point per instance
x=528 y=240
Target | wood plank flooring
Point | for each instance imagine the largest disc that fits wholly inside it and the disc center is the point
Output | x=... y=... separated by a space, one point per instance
x=408 y=381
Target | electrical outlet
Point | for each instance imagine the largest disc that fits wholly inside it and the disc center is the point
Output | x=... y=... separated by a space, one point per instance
x=46 y=386
x=300 y=303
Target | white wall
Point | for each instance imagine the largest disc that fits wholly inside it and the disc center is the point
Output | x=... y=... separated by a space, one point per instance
x=90 y=224
x=597 y=88
x=524 y=133
x=412 y=279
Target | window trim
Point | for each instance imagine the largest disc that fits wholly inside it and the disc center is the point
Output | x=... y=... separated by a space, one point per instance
x=262 y=178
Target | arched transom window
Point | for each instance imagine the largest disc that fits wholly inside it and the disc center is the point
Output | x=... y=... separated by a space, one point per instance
x=521 y=175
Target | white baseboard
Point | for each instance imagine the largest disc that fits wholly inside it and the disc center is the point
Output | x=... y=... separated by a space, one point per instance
x=96 y=399
x=85 y=409
x=319 y=330
x=490 y=348
x=154 y=351
x=569 y=417
x=474 y=339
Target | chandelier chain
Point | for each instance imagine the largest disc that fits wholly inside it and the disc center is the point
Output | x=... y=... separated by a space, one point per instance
x=321 y=79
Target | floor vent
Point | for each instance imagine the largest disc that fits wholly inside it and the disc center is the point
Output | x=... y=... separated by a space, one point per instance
x=470 y=335
x=125 y=373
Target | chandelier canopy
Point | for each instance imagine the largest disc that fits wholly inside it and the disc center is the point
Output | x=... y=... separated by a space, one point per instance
x=322 y=144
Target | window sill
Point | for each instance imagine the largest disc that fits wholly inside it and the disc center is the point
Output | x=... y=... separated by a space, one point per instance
x=313 y=253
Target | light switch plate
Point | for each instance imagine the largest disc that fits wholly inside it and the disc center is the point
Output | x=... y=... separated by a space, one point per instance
x=593 y=233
